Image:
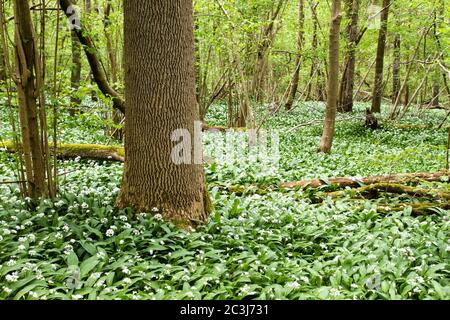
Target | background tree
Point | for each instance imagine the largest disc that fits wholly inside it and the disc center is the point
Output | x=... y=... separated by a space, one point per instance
x=378 y=86
x=348 y=76
x=75 y=76
x=298 y=60
x=333 y=79
x=29 y=84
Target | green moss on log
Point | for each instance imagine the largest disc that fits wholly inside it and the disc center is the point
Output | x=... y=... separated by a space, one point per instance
x=374 y=191
x=84 y=151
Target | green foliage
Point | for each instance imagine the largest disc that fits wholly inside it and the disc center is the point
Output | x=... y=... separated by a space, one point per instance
x=268 y=245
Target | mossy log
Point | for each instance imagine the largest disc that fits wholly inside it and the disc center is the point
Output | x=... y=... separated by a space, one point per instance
x=375 y=190
x=83 y=151
x=440 y=199
x=354 y=182
x=222 y=129
x=417 y=209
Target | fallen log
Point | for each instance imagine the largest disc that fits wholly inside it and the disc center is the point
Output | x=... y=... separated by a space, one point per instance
x=375 y=190
x=85 y=152
x=353 y=182
x=440 y=200
x=82 y=151
x=417 y=209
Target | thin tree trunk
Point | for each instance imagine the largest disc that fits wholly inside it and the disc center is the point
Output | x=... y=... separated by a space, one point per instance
x=26 y=77
x=298 y=60
x=436 y=79
x=117 y=115
x=405 y=86
x=396 y=68
x=2 y=66
x=333 y=79
x=161 y=96
x=378 y=86
x=268 y=36
x=75 y=76
x=314 y=59
x=348 y=78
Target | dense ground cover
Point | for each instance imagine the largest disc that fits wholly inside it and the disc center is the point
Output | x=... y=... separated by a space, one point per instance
x=276 y=245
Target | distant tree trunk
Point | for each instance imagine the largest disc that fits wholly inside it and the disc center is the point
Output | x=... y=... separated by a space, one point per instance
x=161 y=102
x=314 y=58
x=333 y=79
x=378 y=86
x=406 y=101
x=296 y=77
x=117 y=116
x=75 y=75
x=348 y=78
x=2 y=65
x=88 y=6
x=436 y=89
x=436 y=79
x=396 y=68
x=268 y=36
x=26 y=71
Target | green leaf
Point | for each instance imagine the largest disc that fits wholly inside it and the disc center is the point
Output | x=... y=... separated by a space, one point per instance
x=88 y=265
x=72 y=260
x=29 y=288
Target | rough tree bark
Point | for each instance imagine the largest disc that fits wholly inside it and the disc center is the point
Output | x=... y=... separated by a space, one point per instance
x=378 y=86
x=348 y=78
x=333 y=79
x=161 y=96
x=27 y=90
x=296 y=77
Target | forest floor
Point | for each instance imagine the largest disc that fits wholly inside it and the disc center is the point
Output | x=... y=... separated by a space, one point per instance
x=264 y=244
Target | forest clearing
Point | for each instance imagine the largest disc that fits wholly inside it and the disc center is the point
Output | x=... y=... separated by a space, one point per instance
x=224 y=150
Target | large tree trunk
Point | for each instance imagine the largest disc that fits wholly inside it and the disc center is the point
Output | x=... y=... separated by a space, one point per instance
x=161 y=96
x=26 y=71
x=333 y=79
x=348 y=78
x=296 y=77
x=378 y=86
